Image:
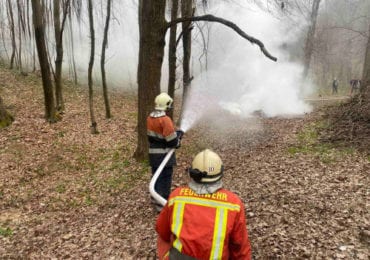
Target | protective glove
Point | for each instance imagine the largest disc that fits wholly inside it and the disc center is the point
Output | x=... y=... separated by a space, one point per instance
x=179 y=133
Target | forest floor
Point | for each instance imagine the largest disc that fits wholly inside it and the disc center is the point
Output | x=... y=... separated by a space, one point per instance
x=65 y=193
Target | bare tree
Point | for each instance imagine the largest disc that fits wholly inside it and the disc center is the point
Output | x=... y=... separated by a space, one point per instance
x=309 y=45
x=20 y=25
x=186 y=12
x=72 y=50
x=39 y=28
x=102 y=61
x=172 y=53
x=58 y=32
x=365 y=85
x=93 y=126
x=12 y=33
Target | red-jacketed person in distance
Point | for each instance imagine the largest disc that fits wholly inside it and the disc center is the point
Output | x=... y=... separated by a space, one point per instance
x=203 y=220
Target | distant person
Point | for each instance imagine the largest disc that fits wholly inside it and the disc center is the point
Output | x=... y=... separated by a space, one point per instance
x=162 y=137
x=335 y=86
x=203 y=220
x=355 y=86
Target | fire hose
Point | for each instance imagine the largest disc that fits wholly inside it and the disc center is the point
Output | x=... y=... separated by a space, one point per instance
x=152 y=191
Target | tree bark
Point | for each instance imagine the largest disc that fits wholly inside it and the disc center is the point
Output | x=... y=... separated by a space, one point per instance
x=74 y=71
x=20 y=21
x=172 y=54
x=102 y=61
x=5 y=118
x=59 y=57
x=365 y=82
x=37 y=15
x=12 y=33
x=93 y=126
x=151 y=49
x=58 y=32
x=186 y=12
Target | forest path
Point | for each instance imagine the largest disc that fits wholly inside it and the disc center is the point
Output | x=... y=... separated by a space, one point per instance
x=68 y=194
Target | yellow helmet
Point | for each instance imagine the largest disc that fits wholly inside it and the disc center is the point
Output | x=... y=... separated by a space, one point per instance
x=163 y=102
x=206 y=167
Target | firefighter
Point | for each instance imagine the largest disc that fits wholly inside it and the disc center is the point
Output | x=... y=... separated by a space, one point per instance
x=203 y=220
x=162 y=137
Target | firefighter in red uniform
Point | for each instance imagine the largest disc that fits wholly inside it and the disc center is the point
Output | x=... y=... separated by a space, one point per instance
x=203 y=220
x=162 y=137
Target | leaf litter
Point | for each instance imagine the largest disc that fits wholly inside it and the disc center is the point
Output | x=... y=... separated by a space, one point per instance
x=68 y=194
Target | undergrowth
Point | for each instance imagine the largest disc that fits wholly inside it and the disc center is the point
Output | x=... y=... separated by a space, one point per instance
x=308 y=143
x=6 y=232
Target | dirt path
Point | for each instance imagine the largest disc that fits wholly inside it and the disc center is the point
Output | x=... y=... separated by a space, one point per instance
x=67 y=194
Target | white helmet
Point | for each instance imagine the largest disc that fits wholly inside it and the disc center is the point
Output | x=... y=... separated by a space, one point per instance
x=206 y=167
x=163 y=102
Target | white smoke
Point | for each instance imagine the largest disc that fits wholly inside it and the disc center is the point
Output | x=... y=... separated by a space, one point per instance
x=239 y=77
x=123 y=43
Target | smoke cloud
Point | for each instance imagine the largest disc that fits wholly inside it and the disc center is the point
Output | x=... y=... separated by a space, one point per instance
x=231 y=73
x=239 y=77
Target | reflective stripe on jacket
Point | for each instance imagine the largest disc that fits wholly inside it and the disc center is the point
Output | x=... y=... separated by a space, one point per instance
x=209 y=226
x=162 y=137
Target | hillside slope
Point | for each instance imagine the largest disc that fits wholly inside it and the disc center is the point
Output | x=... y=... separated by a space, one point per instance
x=65 y=193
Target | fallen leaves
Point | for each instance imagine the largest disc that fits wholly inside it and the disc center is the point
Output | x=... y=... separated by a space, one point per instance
x=65 y=193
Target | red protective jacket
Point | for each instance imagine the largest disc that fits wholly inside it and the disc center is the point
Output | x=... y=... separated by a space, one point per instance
x=162 y=137
x=209 y=226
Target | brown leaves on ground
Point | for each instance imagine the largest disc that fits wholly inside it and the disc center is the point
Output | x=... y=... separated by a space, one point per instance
x=65 y=193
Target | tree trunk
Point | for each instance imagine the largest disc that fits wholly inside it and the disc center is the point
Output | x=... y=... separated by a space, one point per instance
x=12 y=32
x=58 y=32
x=20 y=21
x=186 y=11
x=93 y=127
x=151 y=49
x=74 y=71
x=59 y=57
x=172 y=54
x=102 y=61
x=22 y=33
x=5 y=118
x=309 y=45
x=365 y=82
x=43 y=60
